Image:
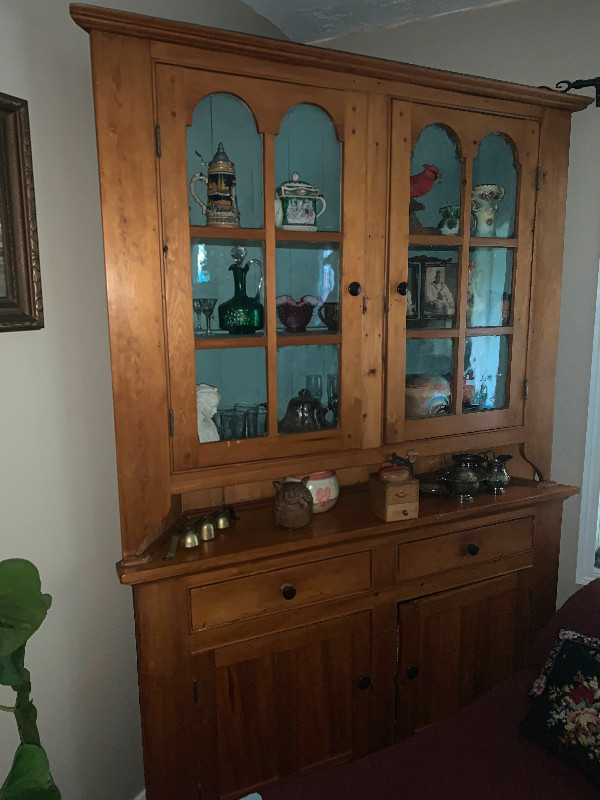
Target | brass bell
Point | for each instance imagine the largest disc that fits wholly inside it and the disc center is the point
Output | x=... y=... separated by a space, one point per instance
x=207 y=531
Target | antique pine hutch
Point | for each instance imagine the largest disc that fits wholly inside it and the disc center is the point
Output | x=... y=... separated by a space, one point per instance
x=264 y=653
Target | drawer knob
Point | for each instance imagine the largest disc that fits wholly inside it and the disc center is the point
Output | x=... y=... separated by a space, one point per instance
x=473 y=549
x=412 y=672
x=288 y=591
x=364 y=682
x=354 y=288
x=402 y=288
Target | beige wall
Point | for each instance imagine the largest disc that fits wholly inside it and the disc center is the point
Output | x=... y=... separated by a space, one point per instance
x=58 y=492
x=536 y=42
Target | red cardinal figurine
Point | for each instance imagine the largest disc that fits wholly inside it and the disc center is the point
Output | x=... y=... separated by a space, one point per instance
x=423 y=182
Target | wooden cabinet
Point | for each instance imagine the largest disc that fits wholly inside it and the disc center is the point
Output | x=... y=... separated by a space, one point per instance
x=286 y=703
x=315 y=259
x=455 y=645
x=389 y=627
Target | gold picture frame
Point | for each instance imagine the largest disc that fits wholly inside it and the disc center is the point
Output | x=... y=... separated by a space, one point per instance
x=21 y=306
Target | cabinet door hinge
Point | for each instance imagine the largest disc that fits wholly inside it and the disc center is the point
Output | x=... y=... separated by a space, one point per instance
x=171 y=423
x=539 y=178
x=525 y=389
x=157 y=140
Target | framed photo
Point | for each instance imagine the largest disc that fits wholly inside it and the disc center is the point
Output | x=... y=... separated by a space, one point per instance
x=20 y=283
x=438 y=292
x=413 y=293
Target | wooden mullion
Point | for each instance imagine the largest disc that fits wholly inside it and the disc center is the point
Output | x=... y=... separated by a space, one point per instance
x=270 y=281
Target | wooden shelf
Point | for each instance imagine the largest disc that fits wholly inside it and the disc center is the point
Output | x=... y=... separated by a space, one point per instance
x=449 y=333
x=442 y=242
x=309 y=237
x=308 y=338
x=249 y=234
x=225 y=341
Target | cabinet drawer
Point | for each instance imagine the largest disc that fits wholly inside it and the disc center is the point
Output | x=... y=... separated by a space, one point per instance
x=464 y=548
x=244 y=598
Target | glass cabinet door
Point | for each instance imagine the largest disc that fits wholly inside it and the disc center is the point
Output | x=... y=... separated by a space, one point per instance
x=459 y=273
x=257 y=262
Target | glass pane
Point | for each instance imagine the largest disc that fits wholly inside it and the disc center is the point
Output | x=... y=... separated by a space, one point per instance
x=307 y=285
x=435 y=183
x=227 y=280
x=486 y=368
x=432 y=288
x=307 y=147
x=494 y=188
x=236 y=192
x=489 y=293
x=307 y=388
x=429 y=373
x=237 y=409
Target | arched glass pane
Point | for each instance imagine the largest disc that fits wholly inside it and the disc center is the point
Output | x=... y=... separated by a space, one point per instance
x=494 y=188
x=222 y=119
x=435 y=183
x=307 y=147
x=429 y=374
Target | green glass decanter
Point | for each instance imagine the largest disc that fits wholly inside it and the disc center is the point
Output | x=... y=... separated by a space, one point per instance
x=242 y=315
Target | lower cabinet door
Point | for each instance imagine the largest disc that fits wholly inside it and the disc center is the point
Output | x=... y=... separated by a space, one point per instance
x=282 y=705
x=455 y=645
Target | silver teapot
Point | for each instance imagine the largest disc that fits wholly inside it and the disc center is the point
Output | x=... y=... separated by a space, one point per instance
x=304 y=414
x=497 y=478
x=462 y=480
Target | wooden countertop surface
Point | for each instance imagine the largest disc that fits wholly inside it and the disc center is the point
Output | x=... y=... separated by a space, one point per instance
x=254 y=536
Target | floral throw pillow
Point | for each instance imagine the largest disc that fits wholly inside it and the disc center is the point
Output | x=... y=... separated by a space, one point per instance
x=566 y=716
x=564 y=635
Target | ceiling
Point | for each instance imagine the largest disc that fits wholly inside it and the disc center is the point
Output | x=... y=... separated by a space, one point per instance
x=310 y=21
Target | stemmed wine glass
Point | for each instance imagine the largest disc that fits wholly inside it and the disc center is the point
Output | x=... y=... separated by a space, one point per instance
x=197 y=312
x=207 y=306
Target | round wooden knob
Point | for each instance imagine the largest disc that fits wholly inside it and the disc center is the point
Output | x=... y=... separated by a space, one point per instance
x=412 y=672
x=364 y=682
x=473 y=549
x=354 y=288
x=289 y=592
x=402 y=288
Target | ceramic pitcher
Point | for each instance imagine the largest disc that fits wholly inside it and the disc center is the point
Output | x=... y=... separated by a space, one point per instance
x=484 y=204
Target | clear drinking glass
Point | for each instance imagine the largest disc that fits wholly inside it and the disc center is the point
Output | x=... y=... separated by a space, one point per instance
x=314 y=384
x=250 y=412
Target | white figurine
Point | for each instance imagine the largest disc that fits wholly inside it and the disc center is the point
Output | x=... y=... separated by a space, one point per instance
x=207 y=400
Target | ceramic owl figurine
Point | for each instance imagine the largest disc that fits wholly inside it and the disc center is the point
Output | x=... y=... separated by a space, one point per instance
x=292 y=504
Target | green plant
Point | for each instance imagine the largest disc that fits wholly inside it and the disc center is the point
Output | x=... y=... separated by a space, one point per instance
x=23 y=608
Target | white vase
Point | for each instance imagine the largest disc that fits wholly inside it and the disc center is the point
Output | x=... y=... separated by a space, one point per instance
x=324 y=488
x=484 y=204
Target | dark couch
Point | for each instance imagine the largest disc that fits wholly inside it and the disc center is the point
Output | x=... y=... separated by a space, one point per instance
x=476 y=753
